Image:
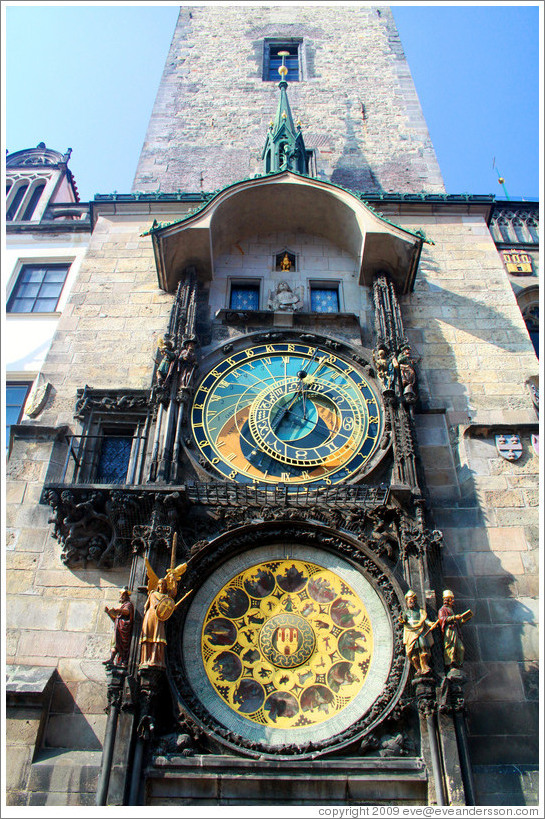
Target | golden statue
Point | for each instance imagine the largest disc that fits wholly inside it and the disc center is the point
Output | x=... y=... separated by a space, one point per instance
x=285 y=264
x=159 y=607
x=416 y=634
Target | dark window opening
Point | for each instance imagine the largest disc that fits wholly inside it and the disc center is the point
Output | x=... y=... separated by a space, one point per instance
x=532 y=229
x=34 y=199
x=244 y=297
x=503 y=227
x=519 y=232
x=38 y=288
x=531 y=318
x=16 y=201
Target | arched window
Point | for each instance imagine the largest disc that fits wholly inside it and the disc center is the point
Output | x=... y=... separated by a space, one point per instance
x=34 y=199
x=503 y=226
x=519 y=230
x=531 y=224
x=16 y=201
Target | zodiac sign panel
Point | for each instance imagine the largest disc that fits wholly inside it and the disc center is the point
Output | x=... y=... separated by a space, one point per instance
x=287 y=643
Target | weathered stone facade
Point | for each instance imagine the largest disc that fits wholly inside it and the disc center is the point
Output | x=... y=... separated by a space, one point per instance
x=474 y=361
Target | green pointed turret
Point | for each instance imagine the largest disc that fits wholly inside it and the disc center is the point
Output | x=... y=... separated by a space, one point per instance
x=284 y=145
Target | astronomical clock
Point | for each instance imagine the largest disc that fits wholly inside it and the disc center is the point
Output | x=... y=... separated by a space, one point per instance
x=288 y=412
x=289 y=643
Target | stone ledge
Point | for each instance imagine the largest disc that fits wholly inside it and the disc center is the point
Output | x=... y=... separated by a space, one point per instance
x=223 y=780
x=62 y=756
x=485 y=423
x=28 y=685
x=209 y=762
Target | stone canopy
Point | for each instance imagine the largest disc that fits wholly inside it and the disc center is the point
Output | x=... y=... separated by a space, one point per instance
x=286 y=201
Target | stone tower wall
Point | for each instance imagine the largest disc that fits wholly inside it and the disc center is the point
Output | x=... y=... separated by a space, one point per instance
x=475 y=360
x=357 y=102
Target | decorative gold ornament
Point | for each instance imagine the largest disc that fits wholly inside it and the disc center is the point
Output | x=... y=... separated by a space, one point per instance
x=287 y=643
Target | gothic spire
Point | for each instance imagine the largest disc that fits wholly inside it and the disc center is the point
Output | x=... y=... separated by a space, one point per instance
x=284 y=146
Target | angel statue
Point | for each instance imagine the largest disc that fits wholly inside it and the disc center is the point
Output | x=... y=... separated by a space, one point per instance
x=285 y=299
x=159 y=607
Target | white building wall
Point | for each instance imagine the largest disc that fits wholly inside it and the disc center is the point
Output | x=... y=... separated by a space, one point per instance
x=27 y=337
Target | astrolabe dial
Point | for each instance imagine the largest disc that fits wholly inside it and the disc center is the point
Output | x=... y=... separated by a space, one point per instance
x=287 y=643
x=286 y=413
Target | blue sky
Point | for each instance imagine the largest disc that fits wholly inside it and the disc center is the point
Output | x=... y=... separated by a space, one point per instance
x=85 y=77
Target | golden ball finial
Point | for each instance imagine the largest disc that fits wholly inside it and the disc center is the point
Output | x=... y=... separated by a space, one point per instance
x=283 y=70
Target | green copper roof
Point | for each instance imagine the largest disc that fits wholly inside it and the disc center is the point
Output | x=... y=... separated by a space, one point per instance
x=157 y=226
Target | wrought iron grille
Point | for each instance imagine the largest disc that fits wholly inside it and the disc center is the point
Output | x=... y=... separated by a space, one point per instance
x=281 y=495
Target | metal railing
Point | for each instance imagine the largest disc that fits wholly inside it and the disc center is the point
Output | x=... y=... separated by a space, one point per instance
x=283 y=495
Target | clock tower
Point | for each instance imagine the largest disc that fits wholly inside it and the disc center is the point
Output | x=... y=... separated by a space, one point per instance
x=278 y=438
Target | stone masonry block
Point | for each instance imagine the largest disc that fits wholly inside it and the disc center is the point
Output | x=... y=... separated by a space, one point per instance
x=43 y=614
x=517 y=749
x=465 y=539
x=483 y=563
x=513 y=643
x=81 y=616
x=494 y=681
x=507 y=538
x=50 y=644
x=523 y=610
x=509 y=498
x=22 y=726
x=75 y=731
x=518 y=718
x=17 y=766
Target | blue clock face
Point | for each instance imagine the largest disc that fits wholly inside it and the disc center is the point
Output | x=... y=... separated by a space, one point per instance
x=286 y=413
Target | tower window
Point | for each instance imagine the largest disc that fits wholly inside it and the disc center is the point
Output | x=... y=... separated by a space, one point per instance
x=272 y=61
x=38 y=288
x=34 y=199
